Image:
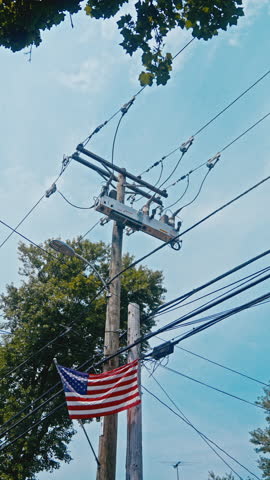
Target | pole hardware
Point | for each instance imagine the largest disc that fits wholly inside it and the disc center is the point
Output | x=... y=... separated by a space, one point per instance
x=162 y=350
x=115 y=168
x=185 y=145
x=212 y=161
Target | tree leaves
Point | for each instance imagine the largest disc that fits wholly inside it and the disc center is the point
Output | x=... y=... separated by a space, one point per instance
x=54 y=292
x=261 y=437
x=21 y=24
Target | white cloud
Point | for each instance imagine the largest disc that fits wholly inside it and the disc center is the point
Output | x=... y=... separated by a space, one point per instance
x=90 y=76
x=252 y=8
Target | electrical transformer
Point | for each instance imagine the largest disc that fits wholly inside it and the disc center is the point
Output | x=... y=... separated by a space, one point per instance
x=137 y=220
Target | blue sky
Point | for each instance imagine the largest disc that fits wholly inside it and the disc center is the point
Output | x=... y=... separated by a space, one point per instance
x=76 y=80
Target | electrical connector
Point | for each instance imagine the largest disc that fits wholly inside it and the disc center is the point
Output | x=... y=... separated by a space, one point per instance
x=212 y=161
x=185 y=146
x=51 y=190
x=124 y=109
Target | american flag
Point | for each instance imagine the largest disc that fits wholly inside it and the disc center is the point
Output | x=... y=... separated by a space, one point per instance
x=90 y=395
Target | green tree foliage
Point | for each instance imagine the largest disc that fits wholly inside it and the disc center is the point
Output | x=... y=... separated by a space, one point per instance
x=261 y=437
x=53 y=293
x=227 y=476
x=145 y=27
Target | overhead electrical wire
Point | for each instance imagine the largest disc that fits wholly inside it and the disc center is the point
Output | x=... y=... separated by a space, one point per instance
x=158 y=248
x=232 y=370
x=65 y=163
x=73 y=205
x=203 y=127
x=37 y=400
x=182 y=196
x=212 y=387
x=14 y=230
x=97 y=129
x=222 y=316
x=12 y=370
x=205 y=163
x=22 y=220
x=199 y=222
x=84 y=143
x=91 y=229
x=210 y=163
x=207 y=440
x=236 y=283
x=229 y=272
x=192 y=426
x=211 y=320
x=195 y=197
x=162 y=329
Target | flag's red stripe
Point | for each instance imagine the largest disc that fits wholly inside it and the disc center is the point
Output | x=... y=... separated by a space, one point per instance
x=110 y=386
x=116 y=410
x=111 y=378
x=114 y=371
x=96 y=406
x=93 y=399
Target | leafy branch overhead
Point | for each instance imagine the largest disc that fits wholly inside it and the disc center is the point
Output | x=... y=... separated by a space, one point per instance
x=144 y=28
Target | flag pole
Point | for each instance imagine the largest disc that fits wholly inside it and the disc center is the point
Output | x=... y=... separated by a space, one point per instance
x=134 y=464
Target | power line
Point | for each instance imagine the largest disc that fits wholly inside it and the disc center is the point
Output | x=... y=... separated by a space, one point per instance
x=65 y=164
x=223 y=366
x=91 y=229
x=211 y=282
x=73 y=205
x=182 y=196
x=158 y=248
x=232 y=103
x=37 y=400
x=22 y=220
x=222 y=316
x=225 y=205
x=212 y=387
x=14 y=230
x=224 y=148
x=137 y=261
x=12 y=370
x=195 y=197
x=192 y=426
x=211 y=120
x=84 y=143
x=203 y=437
x=242 y=281
x=245 y=132
x=152 y=334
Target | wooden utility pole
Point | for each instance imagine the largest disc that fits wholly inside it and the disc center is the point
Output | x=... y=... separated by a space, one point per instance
x=108 y=437
x=124 y=217
x=134 y=466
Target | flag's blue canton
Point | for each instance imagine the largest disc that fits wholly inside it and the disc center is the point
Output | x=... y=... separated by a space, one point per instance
x=73 y=381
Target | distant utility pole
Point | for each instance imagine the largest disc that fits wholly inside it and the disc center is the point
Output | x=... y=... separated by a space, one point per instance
x=177 y=467
x=134 y=463
x=111 y=204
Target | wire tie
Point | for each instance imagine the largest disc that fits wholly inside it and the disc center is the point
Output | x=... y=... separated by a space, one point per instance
x=51 y=190
x=185 y=146
x=212 y=161
x=127 y=105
